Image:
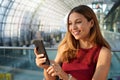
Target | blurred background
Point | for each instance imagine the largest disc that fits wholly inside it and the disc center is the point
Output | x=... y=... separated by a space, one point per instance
x=21 y=21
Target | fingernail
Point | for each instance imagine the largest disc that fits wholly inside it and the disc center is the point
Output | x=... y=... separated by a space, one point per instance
x=42 y=54
x=45 y=59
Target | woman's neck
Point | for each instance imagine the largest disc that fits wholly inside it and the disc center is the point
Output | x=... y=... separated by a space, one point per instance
x=85 y=44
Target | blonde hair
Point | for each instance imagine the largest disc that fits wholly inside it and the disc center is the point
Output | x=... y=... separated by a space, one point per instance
x=71 y=44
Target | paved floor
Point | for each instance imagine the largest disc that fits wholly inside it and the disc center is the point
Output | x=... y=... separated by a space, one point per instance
x=29 y=75
x=20 y=74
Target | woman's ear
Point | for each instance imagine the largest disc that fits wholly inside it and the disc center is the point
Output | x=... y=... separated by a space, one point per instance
x=92 y=23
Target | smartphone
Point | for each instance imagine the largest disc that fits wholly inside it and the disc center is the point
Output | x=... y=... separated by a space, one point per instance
x=41 y=49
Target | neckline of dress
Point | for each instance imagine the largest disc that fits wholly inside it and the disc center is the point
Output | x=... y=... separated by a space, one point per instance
x=87 y=48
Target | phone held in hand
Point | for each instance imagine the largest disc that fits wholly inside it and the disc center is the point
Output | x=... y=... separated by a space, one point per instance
x=41 y=49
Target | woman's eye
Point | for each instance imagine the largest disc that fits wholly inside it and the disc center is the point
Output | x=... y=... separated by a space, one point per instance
x=79 y=22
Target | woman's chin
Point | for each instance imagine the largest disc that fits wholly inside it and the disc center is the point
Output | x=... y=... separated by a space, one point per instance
x=77 y=38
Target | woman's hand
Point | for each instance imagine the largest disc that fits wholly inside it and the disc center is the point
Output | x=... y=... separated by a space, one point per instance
x=40 y=59
x=55 y=69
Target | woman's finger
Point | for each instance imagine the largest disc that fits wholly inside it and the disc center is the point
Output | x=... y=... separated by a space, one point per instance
x=54 y=74
x=40 y=56
x=40 y=61
x=51 y=71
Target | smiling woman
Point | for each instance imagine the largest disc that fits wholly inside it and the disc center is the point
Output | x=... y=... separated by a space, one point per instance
x=83 y=54
x=79 y=26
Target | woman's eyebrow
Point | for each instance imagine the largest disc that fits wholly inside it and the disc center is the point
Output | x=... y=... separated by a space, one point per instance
x=79 y=19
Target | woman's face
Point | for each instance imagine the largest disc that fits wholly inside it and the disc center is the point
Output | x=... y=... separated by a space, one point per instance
x=79 y=26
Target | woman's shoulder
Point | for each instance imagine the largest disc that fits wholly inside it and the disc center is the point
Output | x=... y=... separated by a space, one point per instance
x=105 y=53
x=105 y=50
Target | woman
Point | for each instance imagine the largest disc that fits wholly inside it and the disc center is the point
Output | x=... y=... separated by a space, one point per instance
x=83 y=53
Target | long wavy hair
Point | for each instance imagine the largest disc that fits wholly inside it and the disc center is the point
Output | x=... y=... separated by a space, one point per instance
x=71 y=45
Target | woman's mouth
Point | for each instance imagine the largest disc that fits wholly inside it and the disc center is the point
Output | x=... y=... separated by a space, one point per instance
x=76 y=32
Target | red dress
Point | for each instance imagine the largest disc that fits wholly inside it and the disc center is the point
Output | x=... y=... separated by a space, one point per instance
x=83 y=67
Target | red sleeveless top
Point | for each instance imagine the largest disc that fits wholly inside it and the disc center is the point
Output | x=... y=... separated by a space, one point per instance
x=83 y=67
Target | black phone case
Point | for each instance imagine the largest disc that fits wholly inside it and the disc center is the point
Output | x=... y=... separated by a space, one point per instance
x=41 y=49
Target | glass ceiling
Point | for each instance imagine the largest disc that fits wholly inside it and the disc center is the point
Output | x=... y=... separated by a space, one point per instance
x=22 y=18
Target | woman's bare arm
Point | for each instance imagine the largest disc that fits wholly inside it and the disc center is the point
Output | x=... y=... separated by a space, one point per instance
x=103 y=65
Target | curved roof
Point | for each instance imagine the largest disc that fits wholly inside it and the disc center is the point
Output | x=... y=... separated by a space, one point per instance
x=20 y=19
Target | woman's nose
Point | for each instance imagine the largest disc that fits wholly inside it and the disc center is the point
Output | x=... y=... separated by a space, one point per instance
x=74 y=26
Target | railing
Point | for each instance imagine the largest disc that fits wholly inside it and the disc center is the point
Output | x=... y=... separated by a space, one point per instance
x=19 y=63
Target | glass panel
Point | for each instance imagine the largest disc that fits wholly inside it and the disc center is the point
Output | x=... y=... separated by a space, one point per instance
x=7 y=33
x=17 y=13
x=2 y=10
x=9 y=18
x=0 y=27
x=6 y=41
x=5 y=3
x=16 y=20
x=8 y=27
x=1 y=17
x=15 y=5
x=11 y=12
x=4 y=19
x=0 y=34
x=21 y=60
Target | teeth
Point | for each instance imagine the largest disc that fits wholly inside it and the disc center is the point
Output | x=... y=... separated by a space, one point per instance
x=76 y=32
